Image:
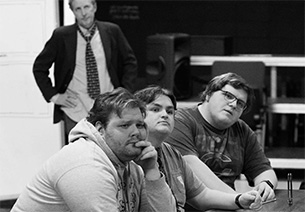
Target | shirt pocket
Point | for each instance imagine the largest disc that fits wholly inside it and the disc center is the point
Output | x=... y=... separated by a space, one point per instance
x=178 y=188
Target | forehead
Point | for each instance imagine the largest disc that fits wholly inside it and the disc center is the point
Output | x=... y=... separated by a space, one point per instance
x=163 y=101
x=127 y=114
x=79 y=3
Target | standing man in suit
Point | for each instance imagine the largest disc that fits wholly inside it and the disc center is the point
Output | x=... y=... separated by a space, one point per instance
x=113 y=61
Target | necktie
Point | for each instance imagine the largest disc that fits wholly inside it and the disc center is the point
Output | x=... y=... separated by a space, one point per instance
x=93 y=85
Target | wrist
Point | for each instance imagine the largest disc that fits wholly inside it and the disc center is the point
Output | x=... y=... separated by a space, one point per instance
x=237 y=201
x=54 y=98
x=268 y=183
x=152 y=174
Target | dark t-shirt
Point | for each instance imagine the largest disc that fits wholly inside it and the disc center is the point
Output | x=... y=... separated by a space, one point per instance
x=179 y=176
x=228 y=153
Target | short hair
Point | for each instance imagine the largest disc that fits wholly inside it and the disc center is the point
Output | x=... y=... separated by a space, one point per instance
x=71 y=1
x=236 y=81
x=113 y=102
x=152 y=92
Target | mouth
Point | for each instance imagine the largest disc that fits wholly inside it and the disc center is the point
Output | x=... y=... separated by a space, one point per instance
x=164 y=123
x=228 y=111
x=133 y=144
x=134 y=141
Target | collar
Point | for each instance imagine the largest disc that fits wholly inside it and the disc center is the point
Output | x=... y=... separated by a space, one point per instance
x=86 y=31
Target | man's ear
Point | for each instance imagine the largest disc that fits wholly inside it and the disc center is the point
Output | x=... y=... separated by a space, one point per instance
x=99 y=127
x=207 y=98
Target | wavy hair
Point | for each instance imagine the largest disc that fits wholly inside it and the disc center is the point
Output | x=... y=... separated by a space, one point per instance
x=236 y=81
x=113 y=102
x=152 y=92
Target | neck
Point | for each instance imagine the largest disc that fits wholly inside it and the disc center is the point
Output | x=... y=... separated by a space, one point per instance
x=204 y=111
x=87 y=28
x=91 y=26
x=156 y=139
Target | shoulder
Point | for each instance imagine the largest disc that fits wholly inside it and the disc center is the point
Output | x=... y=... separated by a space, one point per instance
x=185 y=113
x=107 y=25
x=64 y=32
x=169 y=149
x=242 y=127
x=66 y=29
x=82 y=154
x=188 y=117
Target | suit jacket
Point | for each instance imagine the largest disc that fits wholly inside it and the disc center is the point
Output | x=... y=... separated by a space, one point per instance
x=60 y=49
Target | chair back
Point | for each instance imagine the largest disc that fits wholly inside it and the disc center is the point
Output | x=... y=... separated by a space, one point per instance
x=252 y=72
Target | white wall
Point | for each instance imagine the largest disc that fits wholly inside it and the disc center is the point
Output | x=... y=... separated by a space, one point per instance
x=68 y=15
x=27 y=133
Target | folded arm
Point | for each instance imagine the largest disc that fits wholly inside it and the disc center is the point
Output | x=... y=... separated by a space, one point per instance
x=205 y=174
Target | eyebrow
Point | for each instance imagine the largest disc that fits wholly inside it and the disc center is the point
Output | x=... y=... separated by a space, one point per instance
x=235 y=96
x=158 y=105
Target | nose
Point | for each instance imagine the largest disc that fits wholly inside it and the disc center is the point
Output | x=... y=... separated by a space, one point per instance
x=164 y=113
x=233 y=103
x=134 y=130
x=83 y=12
x=137 y=132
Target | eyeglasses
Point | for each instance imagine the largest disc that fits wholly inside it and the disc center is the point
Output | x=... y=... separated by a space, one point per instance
x=240 y=104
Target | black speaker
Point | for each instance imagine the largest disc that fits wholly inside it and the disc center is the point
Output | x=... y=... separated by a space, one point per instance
x=168 y=63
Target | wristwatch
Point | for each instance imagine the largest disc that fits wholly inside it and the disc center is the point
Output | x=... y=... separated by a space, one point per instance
x=237 y=201
x=269 y=183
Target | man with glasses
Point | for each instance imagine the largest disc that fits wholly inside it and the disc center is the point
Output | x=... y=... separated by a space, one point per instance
x=211 y=136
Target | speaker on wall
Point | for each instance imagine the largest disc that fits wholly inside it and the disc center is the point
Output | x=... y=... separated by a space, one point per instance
x=168 y=63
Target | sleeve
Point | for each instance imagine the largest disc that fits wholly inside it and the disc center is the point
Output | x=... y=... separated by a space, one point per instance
x=184 y=133
x=255 y=160
x=42 y=64
x=159 y=195
x=193 y=185
x=128 y=67
x=88 y=188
